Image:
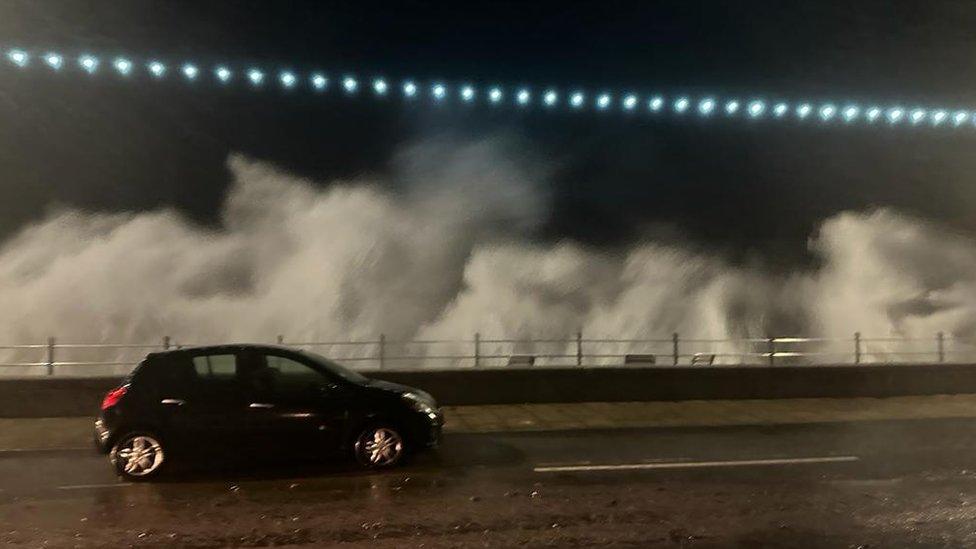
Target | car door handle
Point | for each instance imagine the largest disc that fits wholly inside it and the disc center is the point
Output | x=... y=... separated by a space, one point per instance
x=260 y=405
x=173 y=401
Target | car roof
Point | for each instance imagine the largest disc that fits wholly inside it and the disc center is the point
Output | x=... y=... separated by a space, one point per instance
x=234 y=347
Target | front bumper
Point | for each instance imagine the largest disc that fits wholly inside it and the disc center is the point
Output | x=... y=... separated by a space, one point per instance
x=433 y=424
x=435 y=435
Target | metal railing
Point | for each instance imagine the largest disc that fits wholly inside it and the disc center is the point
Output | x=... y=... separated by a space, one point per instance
x=80 y=359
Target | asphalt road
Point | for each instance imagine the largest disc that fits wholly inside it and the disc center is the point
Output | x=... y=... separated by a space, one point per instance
x=879 y=484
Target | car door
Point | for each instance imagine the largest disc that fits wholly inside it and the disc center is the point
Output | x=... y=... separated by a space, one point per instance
x=294 y=405
x=206 y=407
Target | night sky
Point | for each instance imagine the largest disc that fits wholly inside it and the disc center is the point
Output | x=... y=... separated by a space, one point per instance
x=744 y=189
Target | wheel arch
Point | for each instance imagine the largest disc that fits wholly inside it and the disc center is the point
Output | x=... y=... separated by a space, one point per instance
x=139 y=427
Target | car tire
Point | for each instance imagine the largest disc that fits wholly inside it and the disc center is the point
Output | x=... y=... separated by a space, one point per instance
x=138 y=456
x=380 y=446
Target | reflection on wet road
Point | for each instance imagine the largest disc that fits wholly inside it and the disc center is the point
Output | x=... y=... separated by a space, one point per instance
x=839 y=483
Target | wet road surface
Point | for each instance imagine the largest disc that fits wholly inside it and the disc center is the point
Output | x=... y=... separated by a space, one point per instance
x=880 y=484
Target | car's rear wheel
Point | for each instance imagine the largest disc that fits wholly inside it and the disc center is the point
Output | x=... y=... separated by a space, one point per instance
x=380 y=446
x=138 y=456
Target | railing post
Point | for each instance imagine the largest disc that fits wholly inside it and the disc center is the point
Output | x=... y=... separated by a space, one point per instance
x=771 y=349
x=477 y=349
x=857 y=347
x=940 y=337
x=674 y=348
x=579 y=348
x=165 y=343
x=50 y=356
x=281 y=339
x=382 y=350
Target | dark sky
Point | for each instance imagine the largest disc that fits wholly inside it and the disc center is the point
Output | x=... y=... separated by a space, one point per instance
x=742 y=188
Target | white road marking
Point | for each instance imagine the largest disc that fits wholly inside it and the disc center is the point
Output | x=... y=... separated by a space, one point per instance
x=84 y=486
x=72 y=449
x=562 y=463
x=695 y=464
x=588 y=462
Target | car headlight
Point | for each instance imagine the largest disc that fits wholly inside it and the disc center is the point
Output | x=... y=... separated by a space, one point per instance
x=420 y=402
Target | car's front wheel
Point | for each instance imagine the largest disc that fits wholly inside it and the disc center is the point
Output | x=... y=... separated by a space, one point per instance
x=138 y=456
x=380 y=446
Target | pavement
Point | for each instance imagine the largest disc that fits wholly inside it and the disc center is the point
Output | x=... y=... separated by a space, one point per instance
x=894 y=472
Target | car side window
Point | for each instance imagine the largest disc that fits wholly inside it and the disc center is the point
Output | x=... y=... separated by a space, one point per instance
x=291 y=369
x=215 y=367
x=217 y=376
x=280 y=376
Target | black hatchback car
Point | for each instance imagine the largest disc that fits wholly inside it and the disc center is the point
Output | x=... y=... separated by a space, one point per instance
x=253 y=400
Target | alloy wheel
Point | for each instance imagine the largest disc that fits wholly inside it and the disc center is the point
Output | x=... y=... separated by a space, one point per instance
x=380 y=447
x=138 y=456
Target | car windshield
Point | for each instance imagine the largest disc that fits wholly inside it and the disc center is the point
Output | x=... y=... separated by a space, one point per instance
x=331 y=367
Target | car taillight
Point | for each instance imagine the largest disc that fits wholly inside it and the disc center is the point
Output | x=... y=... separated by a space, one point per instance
x=113 y=397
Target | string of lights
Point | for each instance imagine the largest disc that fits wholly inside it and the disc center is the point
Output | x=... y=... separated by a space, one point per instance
x=522 y=97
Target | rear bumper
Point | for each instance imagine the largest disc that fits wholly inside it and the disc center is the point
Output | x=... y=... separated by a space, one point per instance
x=101 y=435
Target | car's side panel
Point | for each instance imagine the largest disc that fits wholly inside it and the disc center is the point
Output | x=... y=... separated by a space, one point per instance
x=187 y=408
